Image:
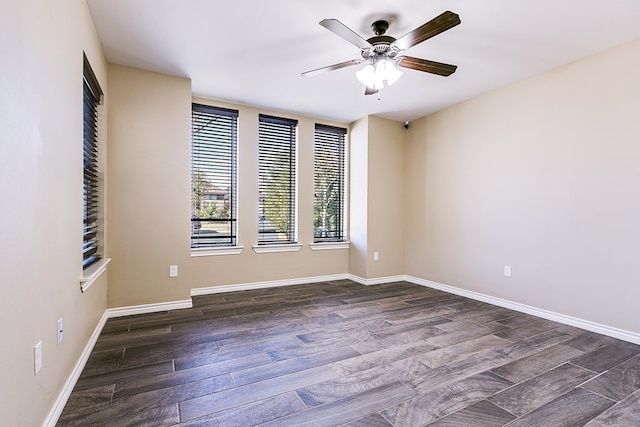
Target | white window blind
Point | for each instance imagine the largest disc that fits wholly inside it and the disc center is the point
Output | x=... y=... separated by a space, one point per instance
x=214 y=134
x=329 y=167
x=276 y=180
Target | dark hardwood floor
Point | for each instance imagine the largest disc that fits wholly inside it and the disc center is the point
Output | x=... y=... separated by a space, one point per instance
x=339 y=353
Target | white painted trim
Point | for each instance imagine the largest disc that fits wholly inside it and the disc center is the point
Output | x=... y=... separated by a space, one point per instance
x=91 y=274
x=63 y=397
x=545 y=314
x=215 y=251
x=377 y=280
x=148 y=308
x=329 y=246
x=267 y=249
x=263 y=285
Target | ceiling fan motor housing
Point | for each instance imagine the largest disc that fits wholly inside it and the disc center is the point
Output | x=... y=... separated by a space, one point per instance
x=380 y=45
x=380 y=27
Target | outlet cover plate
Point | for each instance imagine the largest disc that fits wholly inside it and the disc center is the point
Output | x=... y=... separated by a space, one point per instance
x=60 y=330
x=37 y=358
x=507 y=271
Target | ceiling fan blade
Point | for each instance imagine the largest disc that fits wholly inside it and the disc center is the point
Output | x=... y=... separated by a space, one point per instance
x=437 y=25
x=427 y=66
x=345 y=32
x=328 y=68
x=369 y=91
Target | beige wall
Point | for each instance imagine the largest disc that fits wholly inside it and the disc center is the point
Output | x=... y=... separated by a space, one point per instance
x=542 y=176
x=386 y=197
x=377 y=198
x=248 y=266
x=148 y=187
x=41 y=192
x=358 y=206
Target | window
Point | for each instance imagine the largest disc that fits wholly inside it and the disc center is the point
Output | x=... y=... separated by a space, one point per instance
x=328 y=166
x=214 y=136
x=276 y=180
x=91 y=193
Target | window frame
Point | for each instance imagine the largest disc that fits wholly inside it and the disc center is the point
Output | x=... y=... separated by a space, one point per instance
x=277 y=135
x=92 y=237
x=229 y=120
x=330 y=138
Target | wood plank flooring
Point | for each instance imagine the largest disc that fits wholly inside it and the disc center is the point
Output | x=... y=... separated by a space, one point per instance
x=342 y=354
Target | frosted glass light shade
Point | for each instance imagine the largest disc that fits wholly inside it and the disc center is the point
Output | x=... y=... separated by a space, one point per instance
x=374 y=77
x=366 y=76
x=388 y=72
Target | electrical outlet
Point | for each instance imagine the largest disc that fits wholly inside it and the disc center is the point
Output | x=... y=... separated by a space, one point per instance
x=37 y=358
x=507 y=271
x=60 y=330
x=173 y=271
x=376 y=256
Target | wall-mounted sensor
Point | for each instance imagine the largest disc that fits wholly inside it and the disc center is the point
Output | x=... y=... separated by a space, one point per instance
x=406 y=125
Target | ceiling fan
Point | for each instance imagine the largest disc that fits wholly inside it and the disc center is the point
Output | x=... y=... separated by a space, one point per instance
x=382 y=52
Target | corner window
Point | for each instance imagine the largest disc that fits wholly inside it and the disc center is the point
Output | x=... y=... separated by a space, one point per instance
x=91 y=191
x=214 y=135
x=329 y=166
x=276 y=180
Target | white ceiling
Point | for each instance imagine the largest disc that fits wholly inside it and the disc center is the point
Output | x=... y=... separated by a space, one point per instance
x=252 y=52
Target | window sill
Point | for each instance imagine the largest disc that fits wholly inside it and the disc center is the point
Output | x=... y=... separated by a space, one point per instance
x=91 y=274
x=329 y=246
x=265 y=249
x=215 y=251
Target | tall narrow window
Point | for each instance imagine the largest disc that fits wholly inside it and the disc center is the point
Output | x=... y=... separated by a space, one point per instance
x=91 y=193
x=328 y=202
x=214 y=135
x=276 y=180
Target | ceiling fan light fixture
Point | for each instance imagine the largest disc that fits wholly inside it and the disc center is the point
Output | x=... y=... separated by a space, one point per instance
x=374 y=77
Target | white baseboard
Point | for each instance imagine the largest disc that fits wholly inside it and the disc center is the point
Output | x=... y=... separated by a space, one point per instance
x=61 y=401
x=377 y=280
x=269 y=284
x=545 y=314
x=148 y=308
